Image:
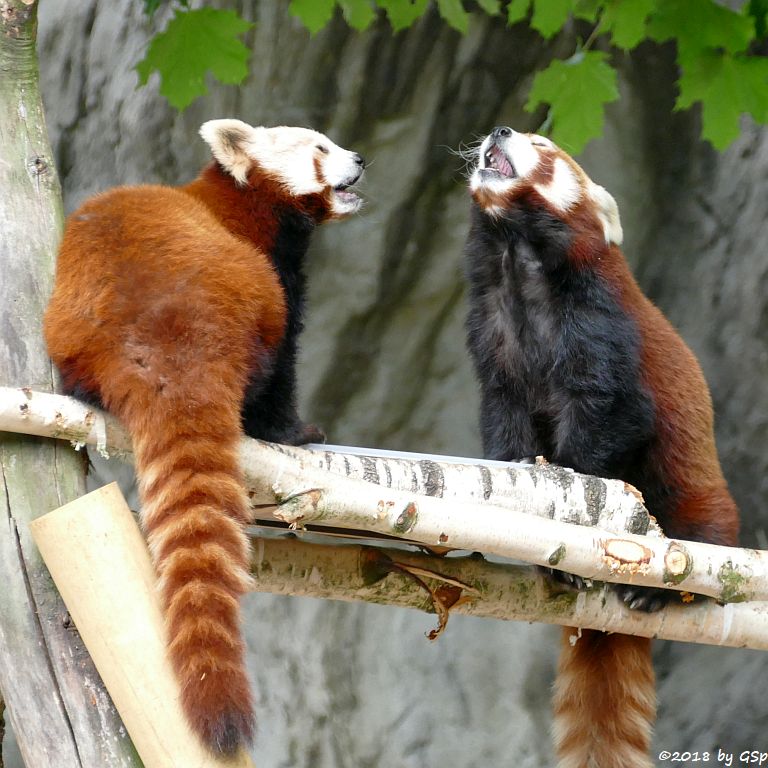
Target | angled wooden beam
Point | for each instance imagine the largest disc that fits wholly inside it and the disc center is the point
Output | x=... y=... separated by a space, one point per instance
x=100 y=563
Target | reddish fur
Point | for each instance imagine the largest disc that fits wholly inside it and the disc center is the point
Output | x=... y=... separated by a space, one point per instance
x=211 y=312
x=604 y=700
x=685 y=451
x=605 y=694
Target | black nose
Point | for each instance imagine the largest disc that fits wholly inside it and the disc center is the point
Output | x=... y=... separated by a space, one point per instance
x=501 y=132
x=359 y=159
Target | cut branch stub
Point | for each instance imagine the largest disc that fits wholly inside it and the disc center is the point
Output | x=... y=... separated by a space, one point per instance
x=678 y=563
x=623 y=556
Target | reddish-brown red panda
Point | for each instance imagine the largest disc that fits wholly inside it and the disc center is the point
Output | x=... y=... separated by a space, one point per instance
x=575 y=364
x=178 y=309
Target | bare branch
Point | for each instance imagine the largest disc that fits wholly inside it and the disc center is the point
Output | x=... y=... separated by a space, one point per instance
x=508 y=510
x=350 y=572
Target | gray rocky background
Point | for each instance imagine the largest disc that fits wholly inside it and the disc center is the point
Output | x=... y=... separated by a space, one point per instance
x=384 y=363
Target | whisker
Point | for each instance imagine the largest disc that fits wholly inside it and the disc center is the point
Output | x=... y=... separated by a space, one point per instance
x=469 y=153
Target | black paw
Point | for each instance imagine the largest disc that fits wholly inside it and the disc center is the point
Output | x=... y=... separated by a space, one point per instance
x=569 y=580
x=647 y=599
x=306 y=433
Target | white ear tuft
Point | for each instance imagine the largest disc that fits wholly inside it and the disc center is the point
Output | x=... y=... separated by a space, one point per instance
x=608 y=212
x=229 y=141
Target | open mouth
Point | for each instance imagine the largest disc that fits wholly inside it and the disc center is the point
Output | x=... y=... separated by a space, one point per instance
x=344 y=193
x=346 y=197
x=495 y=160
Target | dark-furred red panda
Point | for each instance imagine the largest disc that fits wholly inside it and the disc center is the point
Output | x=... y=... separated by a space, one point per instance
x=178 y=310
x=577 y=365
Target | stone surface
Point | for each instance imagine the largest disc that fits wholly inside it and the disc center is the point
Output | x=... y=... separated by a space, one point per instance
x=384 y=362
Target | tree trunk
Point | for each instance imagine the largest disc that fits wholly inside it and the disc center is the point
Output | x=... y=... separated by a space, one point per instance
x=2 y=727
x=56 y=703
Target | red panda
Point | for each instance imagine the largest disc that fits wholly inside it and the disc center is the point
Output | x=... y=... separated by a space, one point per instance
x=577 y=365
x=178 y=309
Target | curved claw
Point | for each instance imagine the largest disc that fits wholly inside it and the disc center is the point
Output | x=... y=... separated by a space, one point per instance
x=570 y=580
x=647 y=599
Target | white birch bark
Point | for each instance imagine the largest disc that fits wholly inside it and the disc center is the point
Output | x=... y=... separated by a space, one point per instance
x=352 y=572
x=509 y=520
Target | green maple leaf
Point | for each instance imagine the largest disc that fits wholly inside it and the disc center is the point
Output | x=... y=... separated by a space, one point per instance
x=491 y=7
x=577 y=91
x=453 y=12
x=727 y=87
x=359 y=14
x=402 y=13
x=698 y=25
x=549 y=16
x=518 y=10
x=626 y=21
x=588 y=10
x=313 y=14
x=758 y=10
x=194 y=43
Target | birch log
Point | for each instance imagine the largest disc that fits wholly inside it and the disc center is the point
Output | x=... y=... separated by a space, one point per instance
x=471 y=585
x=484 y=514
x=556 y=492
x=462 y=481
x=55 y=702
x=726 y=573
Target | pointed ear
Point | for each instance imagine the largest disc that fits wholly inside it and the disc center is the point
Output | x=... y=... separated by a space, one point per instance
x=229 y=141
x=608 y=212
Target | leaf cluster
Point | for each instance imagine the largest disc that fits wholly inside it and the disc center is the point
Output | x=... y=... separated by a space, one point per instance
x=715 y=52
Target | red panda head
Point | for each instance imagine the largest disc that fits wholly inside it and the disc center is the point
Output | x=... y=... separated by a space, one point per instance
x=303 y=162
x=518 y=168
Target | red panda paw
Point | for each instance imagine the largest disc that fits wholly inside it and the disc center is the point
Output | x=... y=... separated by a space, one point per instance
x=647 y=599
x=307 y=433
x=570 y=581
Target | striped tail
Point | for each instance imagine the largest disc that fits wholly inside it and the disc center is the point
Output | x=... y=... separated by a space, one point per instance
x=194 y=510
x=605 y=701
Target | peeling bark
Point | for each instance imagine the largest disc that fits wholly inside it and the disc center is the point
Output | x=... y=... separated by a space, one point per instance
x=493 y=590
x=516 y=511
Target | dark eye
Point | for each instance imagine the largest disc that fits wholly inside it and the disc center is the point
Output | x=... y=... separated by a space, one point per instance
x=323 y=149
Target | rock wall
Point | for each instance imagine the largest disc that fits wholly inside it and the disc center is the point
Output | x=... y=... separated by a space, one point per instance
x=384 y=364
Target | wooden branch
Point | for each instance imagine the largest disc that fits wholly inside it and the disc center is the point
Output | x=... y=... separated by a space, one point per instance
x=55 y=701
x=542 y=489
x=304 y=494
x=350 y=572
x=101 y=565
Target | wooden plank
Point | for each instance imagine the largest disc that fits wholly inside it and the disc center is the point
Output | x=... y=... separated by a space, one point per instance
x=100 y=563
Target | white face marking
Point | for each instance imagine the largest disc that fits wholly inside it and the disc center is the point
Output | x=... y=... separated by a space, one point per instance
x=520 y=153
x=607 y=212
x=292 y=156
x=564 y=189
